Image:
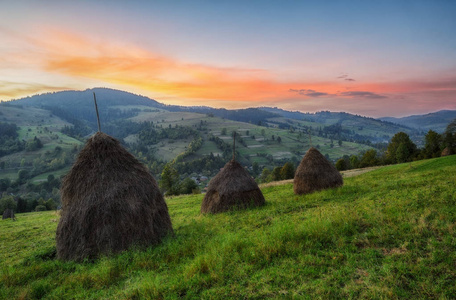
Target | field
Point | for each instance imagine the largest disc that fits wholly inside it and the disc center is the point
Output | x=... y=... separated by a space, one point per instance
x=261 y=143
x=292 y=144
x=34 y=122
x=387 y=233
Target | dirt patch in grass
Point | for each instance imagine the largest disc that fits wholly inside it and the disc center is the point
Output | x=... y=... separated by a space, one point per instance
x=345 y=174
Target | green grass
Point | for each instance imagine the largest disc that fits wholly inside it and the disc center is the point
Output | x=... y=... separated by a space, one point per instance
x=30 y=116
x=51 y=138
x=388 y=233
x=215 y=125
x=57 y=174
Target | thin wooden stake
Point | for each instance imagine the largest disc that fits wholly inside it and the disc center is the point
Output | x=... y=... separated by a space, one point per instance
x=310 y=137
x=96 y=108
x=234 y=145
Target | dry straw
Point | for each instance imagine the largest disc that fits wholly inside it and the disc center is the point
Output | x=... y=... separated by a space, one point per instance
x=446 y=151
x=8 y=213
x=231 y=188
x=315 y=173
x=109 y=202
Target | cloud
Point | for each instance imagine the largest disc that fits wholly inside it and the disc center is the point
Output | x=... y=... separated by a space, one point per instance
x=317 y=94
x=345 y=77
x=362 y=94
x=309 y=93
x=55 y=60
x=9 y=89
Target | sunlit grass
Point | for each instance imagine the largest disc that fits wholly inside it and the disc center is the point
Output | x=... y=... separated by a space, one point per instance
x=388 y=233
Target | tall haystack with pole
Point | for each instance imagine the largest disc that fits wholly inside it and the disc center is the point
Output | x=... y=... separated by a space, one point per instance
x=232 y=188
x=315 y=173
x=109 y=202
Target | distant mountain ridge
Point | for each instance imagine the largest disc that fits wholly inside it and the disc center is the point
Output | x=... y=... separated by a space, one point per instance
x=108 y=97
x=80 y=104
x=436 y=121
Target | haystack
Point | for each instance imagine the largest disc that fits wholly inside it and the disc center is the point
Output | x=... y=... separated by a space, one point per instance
x=446 y=151
x=315 y=173
x=231 y=188
x=8 y=213
x=109 y=203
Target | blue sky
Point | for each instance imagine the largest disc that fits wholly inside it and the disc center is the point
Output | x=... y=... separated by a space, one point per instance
x=372 y=58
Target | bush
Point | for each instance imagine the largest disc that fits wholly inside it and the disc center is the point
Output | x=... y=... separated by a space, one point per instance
x=188 y=186
x=7 y=202
x=341 y=165
x=40 y=208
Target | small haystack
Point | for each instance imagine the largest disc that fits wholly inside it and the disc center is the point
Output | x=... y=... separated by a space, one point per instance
x=8 y=214
x=109 y=202
x=446 y=151
x=315 y=173
x=232 y=187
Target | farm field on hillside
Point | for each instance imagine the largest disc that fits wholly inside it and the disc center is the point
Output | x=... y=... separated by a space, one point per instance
x=388 y=233
x=258 y=139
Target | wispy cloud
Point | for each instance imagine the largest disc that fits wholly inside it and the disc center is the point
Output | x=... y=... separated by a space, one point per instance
x=362 y=94
x=309 y=93
x=9 y=89
x=349 y=94
x=68 y=61
x=345 y=77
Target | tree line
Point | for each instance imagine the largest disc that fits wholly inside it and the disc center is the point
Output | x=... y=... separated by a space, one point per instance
x=401 y=149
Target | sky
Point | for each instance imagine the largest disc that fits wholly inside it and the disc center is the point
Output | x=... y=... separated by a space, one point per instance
x=373 y=58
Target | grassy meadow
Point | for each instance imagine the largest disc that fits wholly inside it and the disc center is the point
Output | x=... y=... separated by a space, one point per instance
x=388 y=233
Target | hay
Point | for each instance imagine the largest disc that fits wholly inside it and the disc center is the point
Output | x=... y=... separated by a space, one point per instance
x=315 y=173
x=109 y=203
x=446 y=151
x=231 y=188
x=8 y=214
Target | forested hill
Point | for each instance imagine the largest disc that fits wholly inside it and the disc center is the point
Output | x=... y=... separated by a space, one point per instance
x=371 y=129
x=76 y=107
x=79 y=105
x=436 y=121
x=116 y=104
x=106 y=97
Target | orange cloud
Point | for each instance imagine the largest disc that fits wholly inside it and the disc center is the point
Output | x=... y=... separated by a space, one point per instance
x=130 y=66
x=10 y=90
x=75 y=60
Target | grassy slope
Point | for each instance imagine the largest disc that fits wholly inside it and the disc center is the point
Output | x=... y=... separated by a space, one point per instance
x=32 y=122
x=29 y=116
x=290 y=141
x=388 y=233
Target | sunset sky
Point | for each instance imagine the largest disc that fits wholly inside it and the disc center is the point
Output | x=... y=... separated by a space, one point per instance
x=374 y=58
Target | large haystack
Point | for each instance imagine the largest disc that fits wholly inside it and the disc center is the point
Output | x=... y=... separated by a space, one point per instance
x=446 y=151
x=109 y=202
x=8 y=213
x=315 y=173
x=232 y=187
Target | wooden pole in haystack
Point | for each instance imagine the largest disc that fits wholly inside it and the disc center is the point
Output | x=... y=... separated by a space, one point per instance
x=310 y=137
x=234 y=145
x=96 y=108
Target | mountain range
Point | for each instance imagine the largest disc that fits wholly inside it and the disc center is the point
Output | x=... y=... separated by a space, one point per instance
x=158 y=133
x=80 y=103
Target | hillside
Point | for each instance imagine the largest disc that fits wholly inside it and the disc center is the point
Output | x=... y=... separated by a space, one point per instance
x=436 y=121
x=68 y=117
x=388 y=233
x=198 y=137
x=40 y=123
x=356 y=127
